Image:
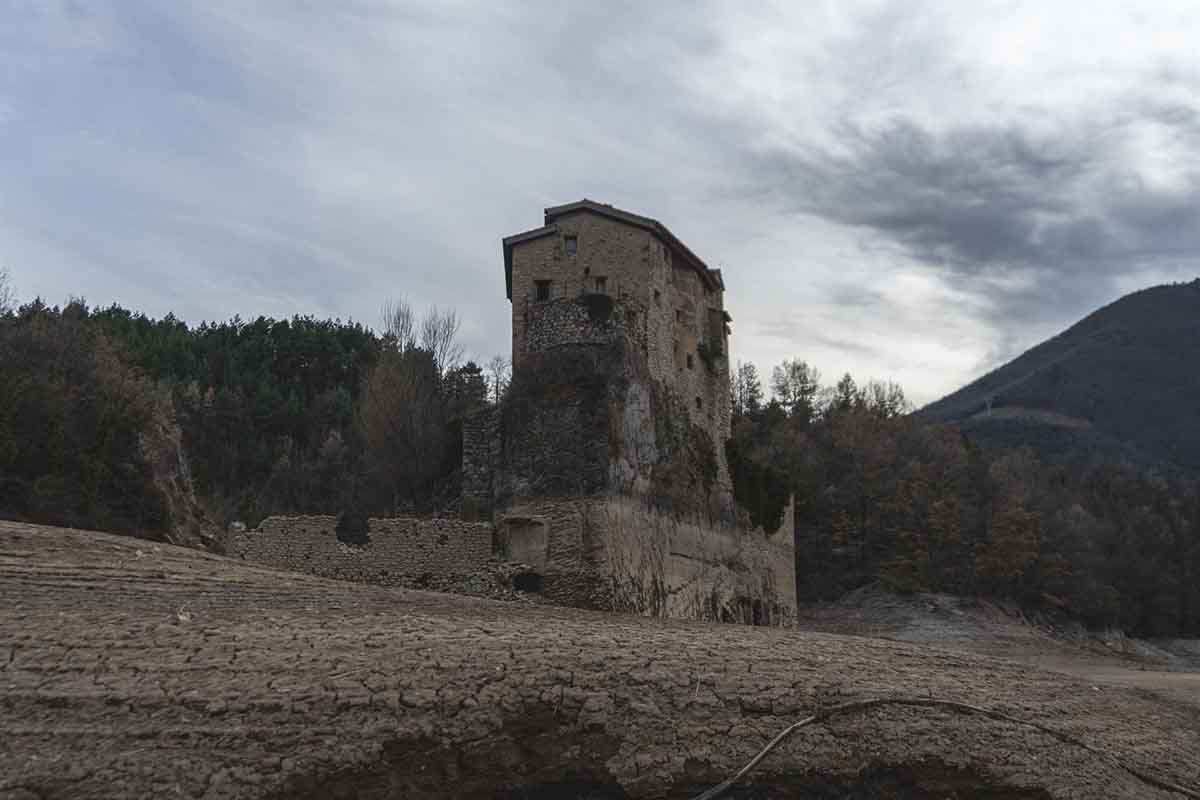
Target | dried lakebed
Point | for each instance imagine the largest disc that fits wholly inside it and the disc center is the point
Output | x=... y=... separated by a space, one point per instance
x=130 y=669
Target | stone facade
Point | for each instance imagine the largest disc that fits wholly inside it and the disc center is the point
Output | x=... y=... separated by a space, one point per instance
x=400 y=551
x=618 y=553
x=608 y=472
x=671 y=303
x=604 y=468
x=481 y=460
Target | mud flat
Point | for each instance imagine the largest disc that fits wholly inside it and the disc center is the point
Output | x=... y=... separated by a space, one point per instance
x=129 y=669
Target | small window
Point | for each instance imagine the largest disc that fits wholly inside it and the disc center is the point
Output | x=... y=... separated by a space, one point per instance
x=541 y=290
x=699 y=404
x=572 y=245
x=690 y=362
x=679 y=315
x=601 y=285
x=657 y=297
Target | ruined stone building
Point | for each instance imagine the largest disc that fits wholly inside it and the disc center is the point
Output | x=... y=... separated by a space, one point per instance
x=605 y=466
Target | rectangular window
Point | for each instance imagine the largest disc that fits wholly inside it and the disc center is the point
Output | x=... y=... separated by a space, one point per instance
x=657 y=297
x=699 y=404
x=679 y=315
x=572 y=245
x=541 y=290
x=601 y=285
x=691 y=363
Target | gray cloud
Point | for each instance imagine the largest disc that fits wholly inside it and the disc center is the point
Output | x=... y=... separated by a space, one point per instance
x=985 y=202
x=905 y=190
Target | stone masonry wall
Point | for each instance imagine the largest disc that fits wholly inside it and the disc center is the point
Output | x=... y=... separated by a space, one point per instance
x=481 y=462
x=618 y=553
x=401 y=551
x=587 y=319
x=673 y=309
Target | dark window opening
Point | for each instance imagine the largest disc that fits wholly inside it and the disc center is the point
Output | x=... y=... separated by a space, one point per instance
x=691 y=361
x=657 y=297
x=527 y=582
x=572 y=245
x=601 y=285
x=679 y=315
x=542 y=290
x=353 y=528
x=699 y=404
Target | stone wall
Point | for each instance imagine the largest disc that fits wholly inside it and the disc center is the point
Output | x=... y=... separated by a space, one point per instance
x=595 y=319
x=400 y=551
x=618 y=553
x=611 y=478
x=672 y=310
x=481 y=462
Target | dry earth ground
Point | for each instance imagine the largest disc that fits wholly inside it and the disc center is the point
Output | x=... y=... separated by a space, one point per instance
x=1169 y=667
x=137 y=670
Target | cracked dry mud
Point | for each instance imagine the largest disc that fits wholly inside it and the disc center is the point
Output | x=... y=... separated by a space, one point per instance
x=130 y=669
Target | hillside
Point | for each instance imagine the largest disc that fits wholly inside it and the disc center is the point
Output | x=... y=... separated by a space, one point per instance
x=135 y=669
x=1122 y=381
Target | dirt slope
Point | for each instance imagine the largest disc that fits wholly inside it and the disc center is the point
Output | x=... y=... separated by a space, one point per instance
x=129 y=669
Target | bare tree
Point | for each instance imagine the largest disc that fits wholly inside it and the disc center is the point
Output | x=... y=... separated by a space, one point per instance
x=436 y=334
x=439 y=335
x=747 y=391
x=886 y=398
x=499 y=371
x=7 y=297
x=400 y=324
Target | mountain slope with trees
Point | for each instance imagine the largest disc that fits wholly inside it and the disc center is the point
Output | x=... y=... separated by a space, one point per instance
x=1123 y=381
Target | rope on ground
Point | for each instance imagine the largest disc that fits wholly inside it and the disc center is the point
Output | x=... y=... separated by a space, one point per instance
x=965 y=708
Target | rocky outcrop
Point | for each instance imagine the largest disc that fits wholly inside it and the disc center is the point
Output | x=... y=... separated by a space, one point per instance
x=161 y=445
x=132 y=669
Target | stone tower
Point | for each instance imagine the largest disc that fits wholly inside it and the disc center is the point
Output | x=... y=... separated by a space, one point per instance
x=605 y=467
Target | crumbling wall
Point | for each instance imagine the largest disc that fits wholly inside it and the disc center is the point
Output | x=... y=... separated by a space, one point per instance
x=585 y=319
x=399 y=551
x=556 y=424
x=661 y=306
x=481 y=462
x=618 y=553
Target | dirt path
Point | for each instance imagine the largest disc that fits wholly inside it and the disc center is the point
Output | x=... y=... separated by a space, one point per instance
x=134 y=670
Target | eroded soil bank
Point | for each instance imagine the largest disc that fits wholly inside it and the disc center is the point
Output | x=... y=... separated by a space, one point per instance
x=134 y=670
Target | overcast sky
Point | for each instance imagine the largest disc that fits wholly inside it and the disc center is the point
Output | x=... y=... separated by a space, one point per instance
x=906 y=190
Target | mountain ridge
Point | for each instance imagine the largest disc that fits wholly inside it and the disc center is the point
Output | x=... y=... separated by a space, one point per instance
x=1124 y=376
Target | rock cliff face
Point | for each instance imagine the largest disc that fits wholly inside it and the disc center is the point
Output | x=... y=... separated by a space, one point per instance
x=132 y=669
x=162 y=447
